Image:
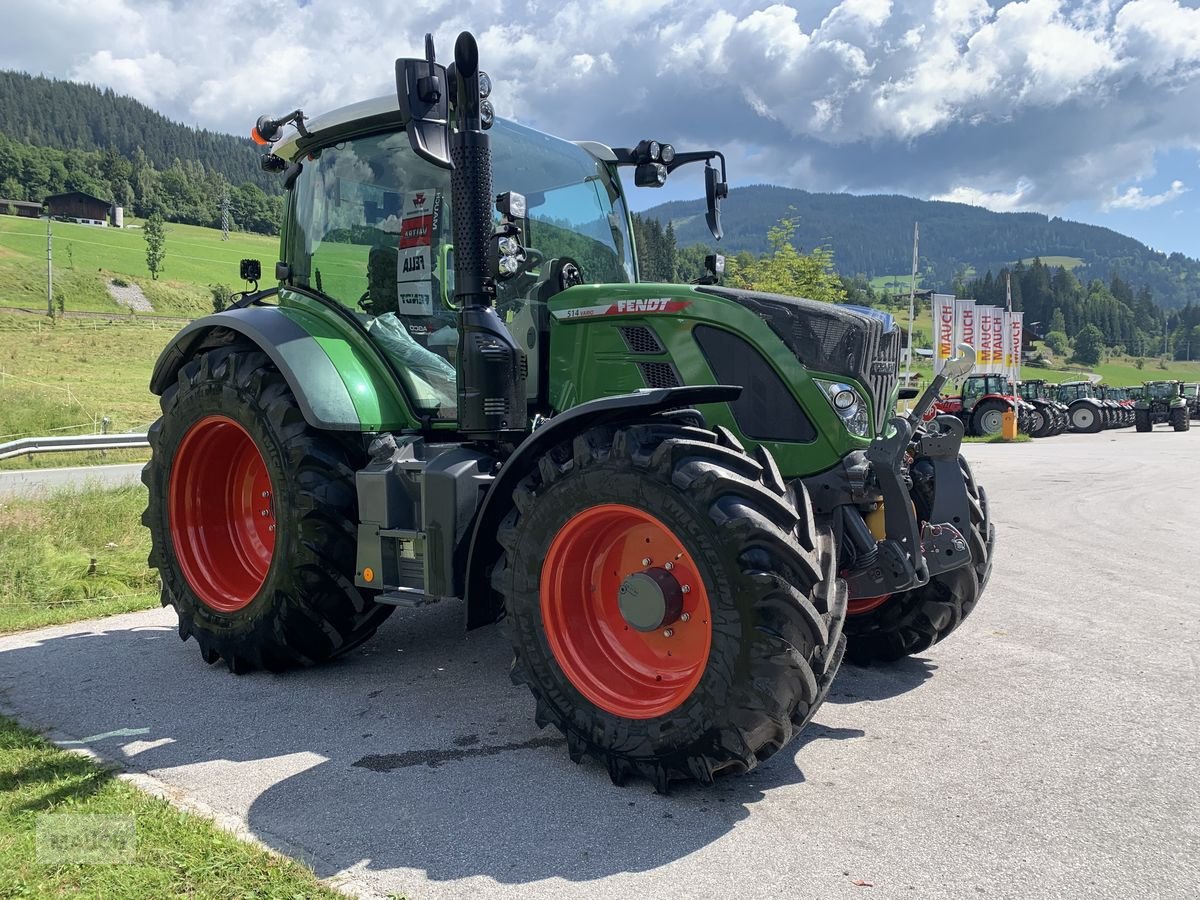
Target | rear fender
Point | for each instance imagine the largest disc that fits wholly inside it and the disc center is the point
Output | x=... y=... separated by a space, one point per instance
x=340 y=381
x=482 y=607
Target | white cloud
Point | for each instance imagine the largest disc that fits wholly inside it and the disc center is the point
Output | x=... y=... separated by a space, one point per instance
x=1032 y=103
x=1134 y=198
x=997 y=201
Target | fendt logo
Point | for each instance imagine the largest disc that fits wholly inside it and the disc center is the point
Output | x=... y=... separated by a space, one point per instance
x=657 y=304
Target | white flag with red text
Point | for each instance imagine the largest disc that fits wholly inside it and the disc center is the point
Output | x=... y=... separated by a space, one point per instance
x=944 y=329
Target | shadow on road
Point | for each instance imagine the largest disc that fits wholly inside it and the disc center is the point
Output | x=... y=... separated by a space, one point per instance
x=412 y=752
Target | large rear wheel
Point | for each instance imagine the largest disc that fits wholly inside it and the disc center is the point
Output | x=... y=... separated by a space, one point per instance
x=253 y=518
x=891 y=627
x=673 y=607
x=988 y=418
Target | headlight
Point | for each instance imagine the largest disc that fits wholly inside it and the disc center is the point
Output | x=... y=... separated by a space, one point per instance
x=849 y=404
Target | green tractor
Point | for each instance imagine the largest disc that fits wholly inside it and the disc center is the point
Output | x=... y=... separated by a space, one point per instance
x=1049 y=416
x=1162 y=401
x=1191 y=393
x=681 y=498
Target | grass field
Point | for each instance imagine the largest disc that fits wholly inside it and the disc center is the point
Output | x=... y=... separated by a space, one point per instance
x=170 y=853
x=1070 y=262
x=86 y=258
x=74 y=555
x=65 y=376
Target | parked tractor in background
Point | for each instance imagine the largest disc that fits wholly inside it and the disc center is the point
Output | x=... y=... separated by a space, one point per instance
x=461 y=393
x=1162 y=402
x=1049 y=416
x=1191 y=393
x=1120 y=408
x=1085 y=412
x=981 y=404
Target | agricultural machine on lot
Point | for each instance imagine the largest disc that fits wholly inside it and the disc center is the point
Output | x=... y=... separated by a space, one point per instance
x=1118 y=404
x=1049 y=416
x=1191 y=393
x=1162 y=402
x=1085 y=411
x=681 y=498
x=981 y=404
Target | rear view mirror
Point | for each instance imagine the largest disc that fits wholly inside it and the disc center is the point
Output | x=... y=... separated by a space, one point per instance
x=424 y=97
x=714 y=191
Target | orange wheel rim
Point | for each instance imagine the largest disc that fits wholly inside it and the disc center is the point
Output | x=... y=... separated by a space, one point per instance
x=602 y=581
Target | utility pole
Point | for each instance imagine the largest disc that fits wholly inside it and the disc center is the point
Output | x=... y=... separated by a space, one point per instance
x=49 y=268
x=225 y=215
x=912 y=301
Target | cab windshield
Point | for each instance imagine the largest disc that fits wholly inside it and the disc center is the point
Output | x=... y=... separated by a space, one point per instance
x=1163 y=390
x=371 y=228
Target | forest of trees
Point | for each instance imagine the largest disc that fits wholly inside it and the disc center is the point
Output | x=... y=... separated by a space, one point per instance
x=874 y=234
x=56 y=136
x=1057 y=303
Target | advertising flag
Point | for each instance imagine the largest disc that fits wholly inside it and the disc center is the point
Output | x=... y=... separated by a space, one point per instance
x=1015 y=327
x=999 y=337
x=942 y=306
x=983 y=346
x=965 y=313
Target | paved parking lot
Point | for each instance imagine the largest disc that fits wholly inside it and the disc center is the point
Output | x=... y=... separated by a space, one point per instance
x=1048 y=749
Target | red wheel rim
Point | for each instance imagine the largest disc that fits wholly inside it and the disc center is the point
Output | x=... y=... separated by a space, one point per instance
x=865 y=604
x=629 y=673
x=221 y=513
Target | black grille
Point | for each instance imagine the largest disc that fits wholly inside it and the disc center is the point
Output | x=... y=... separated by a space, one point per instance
x=640 y=339
x=659 y=375
x=829 y=338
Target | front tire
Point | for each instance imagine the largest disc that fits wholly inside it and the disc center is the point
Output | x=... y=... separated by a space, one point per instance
x=729 y=685
x=253 y=519
x=1179 y=418
x=1141 y=420
x=1086 y=418
x=915 y=620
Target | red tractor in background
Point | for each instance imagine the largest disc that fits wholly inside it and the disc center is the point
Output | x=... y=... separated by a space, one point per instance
x=982 y=403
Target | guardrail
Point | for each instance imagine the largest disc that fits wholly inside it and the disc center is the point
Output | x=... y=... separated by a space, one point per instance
x=72 y=443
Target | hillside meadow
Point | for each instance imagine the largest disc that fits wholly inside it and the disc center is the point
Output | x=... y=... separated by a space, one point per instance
x=87 y=258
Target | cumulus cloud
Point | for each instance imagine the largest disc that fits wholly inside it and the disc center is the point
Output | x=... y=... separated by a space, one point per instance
x=1029 y=104
x=1134 y=198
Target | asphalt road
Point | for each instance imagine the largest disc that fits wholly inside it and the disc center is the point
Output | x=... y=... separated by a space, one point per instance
x=30 y=482
x=1048 y=749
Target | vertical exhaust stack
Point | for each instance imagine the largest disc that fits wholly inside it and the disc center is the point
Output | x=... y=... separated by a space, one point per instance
x=491 y=367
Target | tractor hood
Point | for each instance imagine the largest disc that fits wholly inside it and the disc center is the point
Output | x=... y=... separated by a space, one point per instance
x=824 y=337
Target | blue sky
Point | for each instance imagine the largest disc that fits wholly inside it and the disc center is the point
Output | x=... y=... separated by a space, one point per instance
x=1086 y=110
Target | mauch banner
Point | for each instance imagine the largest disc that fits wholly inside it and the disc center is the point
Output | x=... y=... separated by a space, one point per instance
x=943 y=328
x=1015 y=327
x=965 y=313
x=999 y=337
x=983 y=329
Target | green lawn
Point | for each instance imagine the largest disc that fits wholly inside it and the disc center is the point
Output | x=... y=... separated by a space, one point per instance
x=87 y=257
x=1069 y=262
x=158 y=851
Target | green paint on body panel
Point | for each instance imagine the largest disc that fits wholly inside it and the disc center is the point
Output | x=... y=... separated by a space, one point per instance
x=591 y=357
x=378 y=400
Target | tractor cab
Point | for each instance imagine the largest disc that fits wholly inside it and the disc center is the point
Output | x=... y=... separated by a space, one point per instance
x=1162 y=402
x=1048 y=416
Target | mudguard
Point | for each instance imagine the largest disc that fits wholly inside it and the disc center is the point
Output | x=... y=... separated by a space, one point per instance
x=340 y=381
x=481 y=608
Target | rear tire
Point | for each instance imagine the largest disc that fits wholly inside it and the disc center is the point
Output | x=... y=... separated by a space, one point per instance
x=988 y=418
x=306 y=608
x=1086 y=418
x=914 y=621
x=763 y=566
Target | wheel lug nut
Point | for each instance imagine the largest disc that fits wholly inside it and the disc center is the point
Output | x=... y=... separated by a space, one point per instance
x=668 y=566
x=265 y=513
x=687 y=589
x=685 y=617
x=270 y=528
x=646 y=561
x=266 y=494
x=669 y=632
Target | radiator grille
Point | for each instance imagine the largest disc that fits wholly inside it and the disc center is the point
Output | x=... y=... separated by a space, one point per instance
x=640 y=339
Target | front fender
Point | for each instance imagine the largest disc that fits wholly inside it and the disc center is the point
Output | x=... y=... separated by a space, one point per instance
x=339 y=380
x=481 y=608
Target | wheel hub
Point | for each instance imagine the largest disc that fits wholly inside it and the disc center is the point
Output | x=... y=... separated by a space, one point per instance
x=650 y=600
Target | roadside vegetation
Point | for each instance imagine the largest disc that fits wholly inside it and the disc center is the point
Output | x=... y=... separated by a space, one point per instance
x=73 y=554
x=172 y=854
